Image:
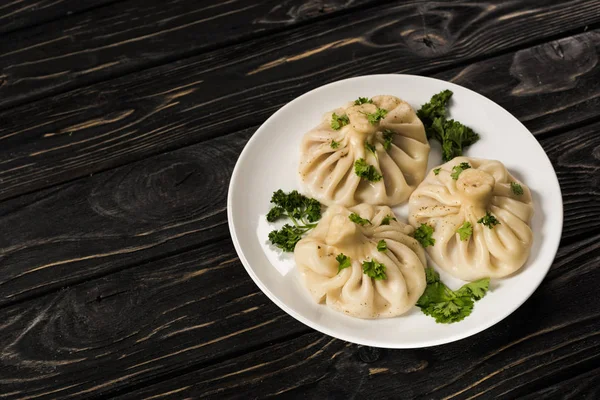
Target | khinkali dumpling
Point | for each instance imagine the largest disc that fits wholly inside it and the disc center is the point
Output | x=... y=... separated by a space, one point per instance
x=485 y=195
x=393 y=290
x=382 y=138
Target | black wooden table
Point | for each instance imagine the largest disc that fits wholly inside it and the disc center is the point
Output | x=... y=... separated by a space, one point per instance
x=120 y=124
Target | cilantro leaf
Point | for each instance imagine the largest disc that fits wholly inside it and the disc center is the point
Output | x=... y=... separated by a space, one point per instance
x=423 y=235
x=386 y=220
x=388 y=136
x=338 y=121
x=334 y=144
x=476 y=289
x=435 y=108
x=344 y=261
x=371 y=148
x=516 y=188
x=488 y=220
x=445 y=305
x=457 y=169
x=374 y=269
x=354 y=217
x=377 y=116
x=437 y=171
x=366 y=171
x=362 y=100
x=301 y=210
x=465 y=231
x=452 y=135
x=381 y=245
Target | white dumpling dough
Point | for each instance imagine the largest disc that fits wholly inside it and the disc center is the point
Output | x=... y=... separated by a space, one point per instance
x=445 y=204
x=351 y=291
x=327 y=173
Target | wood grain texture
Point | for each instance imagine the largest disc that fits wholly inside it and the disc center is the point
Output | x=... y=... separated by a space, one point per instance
x=120 y=121
x=199 y=312
x=19 y=14
x=134 y=34
x=550 y=347
x=177 y=200
x=135 y=325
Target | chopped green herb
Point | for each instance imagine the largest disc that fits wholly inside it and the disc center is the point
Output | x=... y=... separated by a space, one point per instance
x=388 y=136
x=344 y=261
x=302 y=210
x=377 y=116
x=381 y=245
x=437 y=171
x=488 y=220
x=448 y=306
x=366 y=171
x=334 y=144
x=374 y=269
x=386 y=220
x=354 y=217
x=338 y=121
x=371 y=148
x=465 y=231
x=452 y=135
x=457 y=169
x=516 y=188
x=423 y=235
x=362 y=100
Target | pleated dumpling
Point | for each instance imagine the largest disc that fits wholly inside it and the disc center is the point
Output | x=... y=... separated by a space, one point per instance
x=480 y=215
x=371 y=151
x=361 y=261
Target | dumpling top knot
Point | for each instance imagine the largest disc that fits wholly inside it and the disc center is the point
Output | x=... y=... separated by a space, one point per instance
x=372 y=151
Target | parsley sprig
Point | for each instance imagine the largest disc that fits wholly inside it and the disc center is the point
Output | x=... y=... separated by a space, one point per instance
x=448 y=306
x=374 y=269
x=452 y=135
x=362 y=100
x=338 y=121
x=386 y=220
x=488 y=220
x=423 y=234
x=354 y=217
x=344 y=261
x=303 y=211
x=465 y=231
x=366 y=171
x=516 y=188
x=388 y=136
x=377 y=116
x=458 y=169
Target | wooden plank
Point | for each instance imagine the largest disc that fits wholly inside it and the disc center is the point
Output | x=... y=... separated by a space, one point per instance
x=130 y=35
x=120 y=121
x=177 y=200
x=19 y=14
x=550 y=345
x=200 y=311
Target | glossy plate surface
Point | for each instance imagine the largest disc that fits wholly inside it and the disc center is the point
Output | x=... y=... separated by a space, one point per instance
x=270 y=161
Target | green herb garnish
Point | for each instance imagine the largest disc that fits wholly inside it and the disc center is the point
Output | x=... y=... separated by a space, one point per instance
x=334 y=144
x=377 y=116
x=371 y=148
x=354 y=217
x=386 y=220
x=374 y=269
x=448 y=306
x=362 y=100
x=465 y=231
x=338 y=121
x=381 y=245
x=366 y=171
x=457 y=169
x=452 y=135
x=301 y=210
x=344 y=261
x=516 y=188
x=423 y=235
x=388 y=136
x=488 y=220
x=437 y=171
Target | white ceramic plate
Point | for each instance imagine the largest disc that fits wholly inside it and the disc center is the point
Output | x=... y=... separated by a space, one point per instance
x=270 y=160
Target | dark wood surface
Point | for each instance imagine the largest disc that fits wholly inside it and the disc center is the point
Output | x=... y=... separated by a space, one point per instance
x=120 y=125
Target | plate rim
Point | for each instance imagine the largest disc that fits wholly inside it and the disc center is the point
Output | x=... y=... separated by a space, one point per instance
x=343 y=335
